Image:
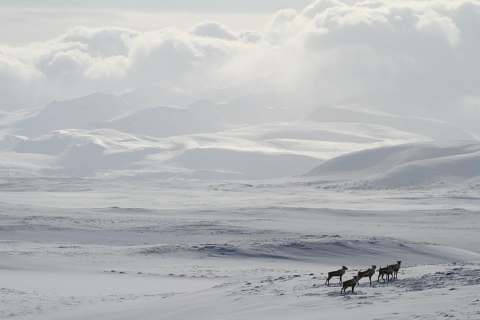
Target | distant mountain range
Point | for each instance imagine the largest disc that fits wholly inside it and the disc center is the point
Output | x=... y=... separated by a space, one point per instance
x=105 y=135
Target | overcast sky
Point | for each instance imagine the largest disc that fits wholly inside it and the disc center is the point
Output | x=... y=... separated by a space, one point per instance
x=408 y=57
x=207 y=6
x=40 y=20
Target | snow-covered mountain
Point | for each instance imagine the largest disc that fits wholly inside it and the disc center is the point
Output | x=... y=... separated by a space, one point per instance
x=101 y=136
x=165 y=121
x=201 y=116
x=72 y=114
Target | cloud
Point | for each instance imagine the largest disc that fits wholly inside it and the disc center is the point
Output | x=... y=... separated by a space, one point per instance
x=320 y=6
x=419 y=56
x=213 y=29
x=103 y=42
x=436 y=24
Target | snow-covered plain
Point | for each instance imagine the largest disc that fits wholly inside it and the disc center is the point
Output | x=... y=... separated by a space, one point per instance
x=179 y=249
x=114 y=208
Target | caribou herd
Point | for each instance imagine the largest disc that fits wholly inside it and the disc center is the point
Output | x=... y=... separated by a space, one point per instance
x=391 y=271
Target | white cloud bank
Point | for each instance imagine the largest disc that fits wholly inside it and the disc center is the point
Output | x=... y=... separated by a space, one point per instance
x=421 y=56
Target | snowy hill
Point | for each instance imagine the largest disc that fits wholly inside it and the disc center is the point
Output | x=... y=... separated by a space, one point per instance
x=165 y=121
x=72 y=114
x=98 y=136
x=322 y=140
x=82 y=153
x=10 y=141
x=361 y=113
x=242 y=164
x=407 y=165
x=109 y=153
x=201 y=116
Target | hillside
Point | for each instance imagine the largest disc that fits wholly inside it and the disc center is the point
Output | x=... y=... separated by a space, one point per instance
x=163 y=121
x=361 y=113
x=109 y=153
x=201 y=116
x=406 y=165
x=72 y=114
x=100 y=136
x=10 y=141
x=241 y=164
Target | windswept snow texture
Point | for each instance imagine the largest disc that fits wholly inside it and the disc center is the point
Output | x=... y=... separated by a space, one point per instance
x=186 y=249
x=407 y=165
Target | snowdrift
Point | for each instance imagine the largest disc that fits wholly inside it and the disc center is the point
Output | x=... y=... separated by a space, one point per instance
x=318 y=249
x=407 y=165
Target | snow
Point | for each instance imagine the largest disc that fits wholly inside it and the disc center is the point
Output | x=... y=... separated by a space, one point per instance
x=408 y=164
x=162 y=122
x=180 y=249
x=256 y=152
x=360 y=113
x=72 y=114
x=249 y=165
x=225 y=210
x=201 y=116
x=190 y=142
x=10 y=141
